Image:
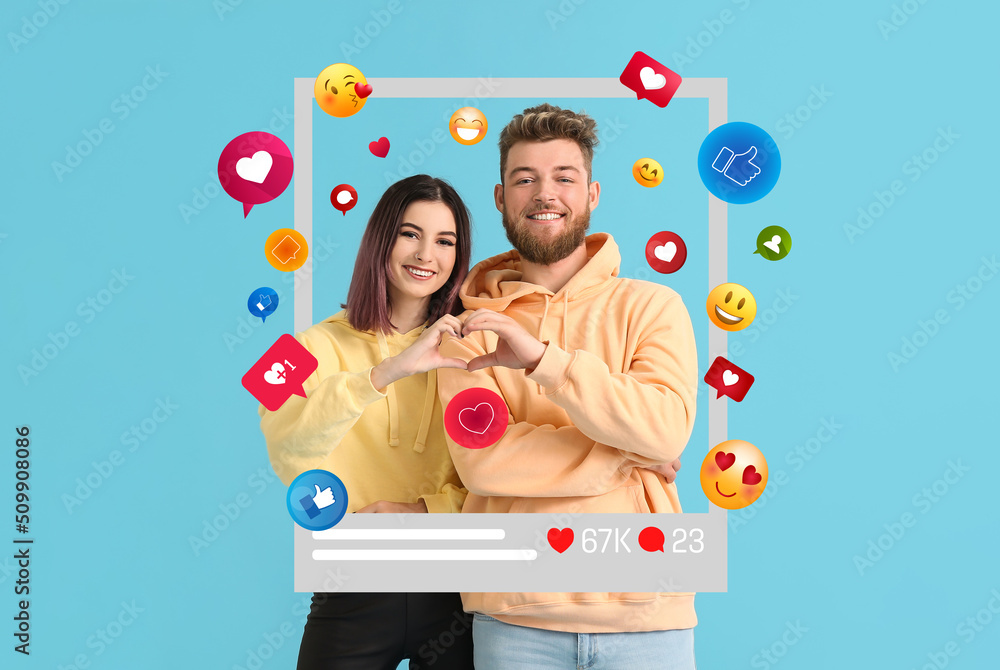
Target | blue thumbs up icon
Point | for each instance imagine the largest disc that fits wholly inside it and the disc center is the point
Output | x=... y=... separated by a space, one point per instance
x=263 y=302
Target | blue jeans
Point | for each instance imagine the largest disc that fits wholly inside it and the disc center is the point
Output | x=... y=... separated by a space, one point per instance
x=501 y=646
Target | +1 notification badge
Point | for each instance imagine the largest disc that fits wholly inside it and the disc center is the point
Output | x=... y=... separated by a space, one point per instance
x=739 y=163
x=280 y=372
x=317 y=500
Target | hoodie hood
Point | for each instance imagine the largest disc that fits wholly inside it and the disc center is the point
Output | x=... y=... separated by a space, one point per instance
x=398 y=342
x=496 y=282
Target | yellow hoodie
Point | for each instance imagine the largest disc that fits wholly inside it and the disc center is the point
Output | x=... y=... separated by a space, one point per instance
x=614 y=391
x=347 y=427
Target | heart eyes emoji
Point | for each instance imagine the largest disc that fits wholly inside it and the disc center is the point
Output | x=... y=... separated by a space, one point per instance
x=733 y=474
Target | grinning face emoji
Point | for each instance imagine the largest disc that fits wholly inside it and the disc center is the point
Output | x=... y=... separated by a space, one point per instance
x=731 y=307
x=734 y=474
x=335 y=90
x=468 y=126
x=647 y=172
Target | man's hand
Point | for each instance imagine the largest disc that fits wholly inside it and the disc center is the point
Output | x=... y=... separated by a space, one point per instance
x=386 y=507
x=667 y=470
x=517 y=349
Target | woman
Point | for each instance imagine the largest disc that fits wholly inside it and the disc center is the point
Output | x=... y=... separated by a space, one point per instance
x=373 y=418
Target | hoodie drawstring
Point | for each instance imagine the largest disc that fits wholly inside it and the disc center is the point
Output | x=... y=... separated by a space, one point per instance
x=541 y=330
x=425 y=416
x=383 y=349
x=565 y=345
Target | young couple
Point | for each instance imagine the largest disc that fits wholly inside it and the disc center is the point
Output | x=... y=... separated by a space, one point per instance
x=599 y=374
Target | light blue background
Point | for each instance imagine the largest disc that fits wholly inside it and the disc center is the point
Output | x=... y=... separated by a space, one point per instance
x=824 y=359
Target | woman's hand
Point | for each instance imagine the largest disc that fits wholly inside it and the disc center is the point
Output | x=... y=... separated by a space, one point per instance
x=386 y=507
x=517 y=348
x=421 y=356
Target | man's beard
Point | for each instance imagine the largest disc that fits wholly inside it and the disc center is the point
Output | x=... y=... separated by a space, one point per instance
x=544 y=251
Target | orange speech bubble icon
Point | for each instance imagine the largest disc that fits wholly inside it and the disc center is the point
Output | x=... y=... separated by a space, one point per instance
x=286 y=249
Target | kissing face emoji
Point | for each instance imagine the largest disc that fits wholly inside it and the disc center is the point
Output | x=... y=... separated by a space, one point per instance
x=734 y=474
x=731 y=307
x=468 y=126
x=336 y=93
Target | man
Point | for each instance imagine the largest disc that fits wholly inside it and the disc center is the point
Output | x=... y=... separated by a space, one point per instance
x=600 y=377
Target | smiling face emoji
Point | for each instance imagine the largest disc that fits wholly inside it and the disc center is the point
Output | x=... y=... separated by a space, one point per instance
x=731 y=307
x=468 y=126
x=335 y=90
x=734 y=474
x=647 y=172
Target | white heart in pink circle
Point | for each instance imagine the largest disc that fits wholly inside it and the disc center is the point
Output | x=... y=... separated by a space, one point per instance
x=476 y=417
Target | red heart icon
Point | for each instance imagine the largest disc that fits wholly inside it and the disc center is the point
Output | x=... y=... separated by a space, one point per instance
x=363 y=91
x=751 y=476
x=724 y=460
x=380 y=148
x=560 y=539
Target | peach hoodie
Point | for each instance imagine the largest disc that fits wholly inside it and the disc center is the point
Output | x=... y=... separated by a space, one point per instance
x=615 y=390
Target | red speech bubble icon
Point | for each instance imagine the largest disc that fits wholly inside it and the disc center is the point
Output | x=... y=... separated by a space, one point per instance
x=651 y=539
x=476 y=418
x=255 y=168
x=343 y=198
x=666 y=252
x=650 y=79
x=560 y=539
x=279 y=373
x=728 y=379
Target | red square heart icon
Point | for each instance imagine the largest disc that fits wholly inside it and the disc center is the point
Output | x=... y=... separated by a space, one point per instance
x=280 y=372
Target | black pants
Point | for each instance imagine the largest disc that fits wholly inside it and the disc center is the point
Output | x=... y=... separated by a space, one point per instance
x=375 y=631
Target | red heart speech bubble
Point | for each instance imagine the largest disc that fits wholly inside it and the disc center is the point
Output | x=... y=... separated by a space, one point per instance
x=560 y=539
